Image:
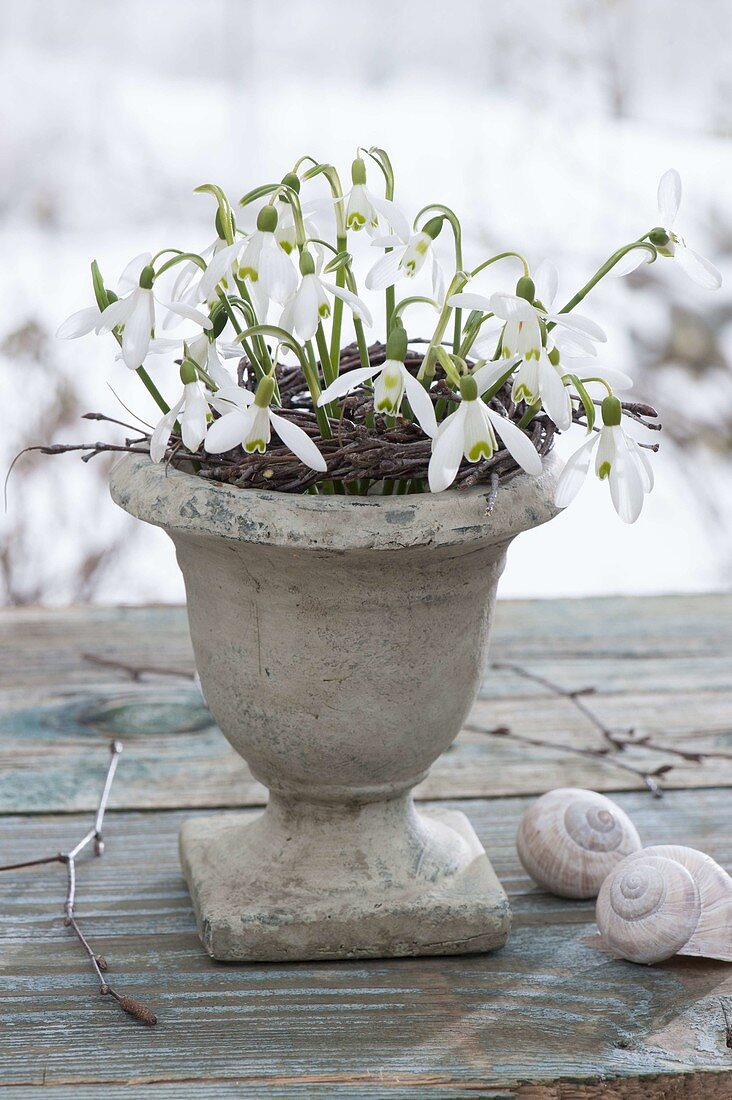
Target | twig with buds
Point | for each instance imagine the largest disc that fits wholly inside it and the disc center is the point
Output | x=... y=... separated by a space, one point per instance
x=615 y=742
x=99 y=963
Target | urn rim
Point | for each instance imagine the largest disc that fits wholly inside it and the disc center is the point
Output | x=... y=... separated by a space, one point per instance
x=184 y=503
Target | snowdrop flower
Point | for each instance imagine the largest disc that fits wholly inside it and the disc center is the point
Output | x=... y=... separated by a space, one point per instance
x=391 y=381
x=309 y=305
x=699 y=269
x=470 y=432
x=364 y=208
x=526 y=311
x=264 y=264
x=250 y=421
x=191 y=410
x=205 y=354
x=620 y=460
x=135 y=313
x=407 y=257
x=541 y=380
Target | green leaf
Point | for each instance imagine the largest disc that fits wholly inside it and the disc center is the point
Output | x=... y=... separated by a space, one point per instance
x=586 y=401
x=100 y=292
x=341 y=259
x=260 y=193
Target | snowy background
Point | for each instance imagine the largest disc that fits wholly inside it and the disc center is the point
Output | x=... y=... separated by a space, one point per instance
x=545 y=125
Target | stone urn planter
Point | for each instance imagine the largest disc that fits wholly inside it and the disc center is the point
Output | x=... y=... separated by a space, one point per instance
x=340 y=643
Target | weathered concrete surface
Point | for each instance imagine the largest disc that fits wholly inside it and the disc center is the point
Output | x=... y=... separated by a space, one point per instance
x=340 y=644
x=321 y=882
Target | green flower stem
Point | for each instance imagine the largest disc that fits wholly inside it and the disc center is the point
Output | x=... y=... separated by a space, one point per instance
x=246 y=346
x=529 y=414
x=457 y=232
x=471 y=331
x=335 y=337
x=494 y=259
x=427 y=370
x=363 y=348
x=263 y=358
x=602 y=272
x=153 y=390
x=310 y=370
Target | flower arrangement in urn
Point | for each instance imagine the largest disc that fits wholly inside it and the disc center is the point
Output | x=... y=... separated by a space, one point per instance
x=339 y=589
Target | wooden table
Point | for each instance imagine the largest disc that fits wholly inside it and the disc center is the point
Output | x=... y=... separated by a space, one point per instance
x=549 y=1016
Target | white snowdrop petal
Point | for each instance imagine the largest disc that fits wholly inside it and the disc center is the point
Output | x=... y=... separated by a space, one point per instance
x=447 y=451
x=630 y=261
x=576 y=323
x=161 y=435
x=79 y=324
x=116 y=314
x=357 y=306
x=626 y=486
x=421 y=403
x=487 y=376
x=138 y=330
x=299 y=442
x=700 y=270
x=391 y=214
x=227 y=432
x=546 y=281
x=554 y=395
x=348 y=381
x=130 y=277
x=669 y=197
x=518 y=445
x=385 y=271
x=470 y=301
x=572 y=477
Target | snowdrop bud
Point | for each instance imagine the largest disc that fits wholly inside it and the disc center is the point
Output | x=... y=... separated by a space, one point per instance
x=468 y=389
x=554 y=357
x=147 y=277
x=433 y=227
x=307 y=264
x=219 y=323
x=358 y=171
x=267 y=219
x=612 y=412
x=188 y=372
x=219 y=224
x=659 y=237
x=265 y=392
x=525 y=289
x=396 y=345
x=292 y=180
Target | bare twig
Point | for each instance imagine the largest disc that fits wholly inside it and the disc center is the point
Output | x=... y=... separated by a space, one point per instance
x=99 y=963
x=616 y=743
x=136 y=672
x=649 y=778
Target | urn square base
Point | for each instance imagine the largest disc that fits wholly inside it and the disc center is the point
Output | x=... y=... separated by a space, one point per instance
x=257 y=900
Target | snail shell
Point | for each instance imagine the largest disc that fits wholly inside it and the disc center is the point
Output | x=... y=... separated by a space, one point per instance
x=647 y=908
x=712 y=936
x=570 y=839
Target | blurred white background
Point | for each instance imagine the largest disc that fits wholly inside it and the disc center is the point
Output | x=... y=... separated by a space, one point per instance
x=545 y=125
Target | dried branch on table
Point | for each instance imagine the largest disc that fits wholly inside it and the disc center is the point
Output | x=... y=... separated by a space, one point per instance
x=615 y=743
x=129 y=1005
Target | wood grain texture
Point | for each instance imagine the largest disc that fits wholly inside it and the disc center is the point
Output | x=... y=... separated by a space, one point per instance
x=550 y=1016
x=662 y=666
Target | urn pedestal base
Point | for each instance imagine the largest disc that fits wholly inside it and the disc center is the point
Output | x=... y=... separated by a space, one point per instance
x=318 y=881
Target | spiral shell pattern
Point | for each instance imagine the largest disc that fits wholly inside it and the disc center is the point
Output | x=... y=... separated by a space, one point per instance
x=570 y=839
x=712 y=937
x=647 y=908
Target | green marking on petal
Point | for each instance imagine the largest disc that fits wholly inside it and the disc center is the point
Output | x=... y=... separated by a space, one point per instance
x=481 y=449
x=604 y=471
x=253 y=445
x=248 y=273
x=324 y=309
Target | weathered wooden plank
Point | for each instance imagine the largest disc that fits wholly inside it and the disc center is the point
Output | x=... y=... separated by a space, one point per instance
x=548 y=1008
x=58 y=706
